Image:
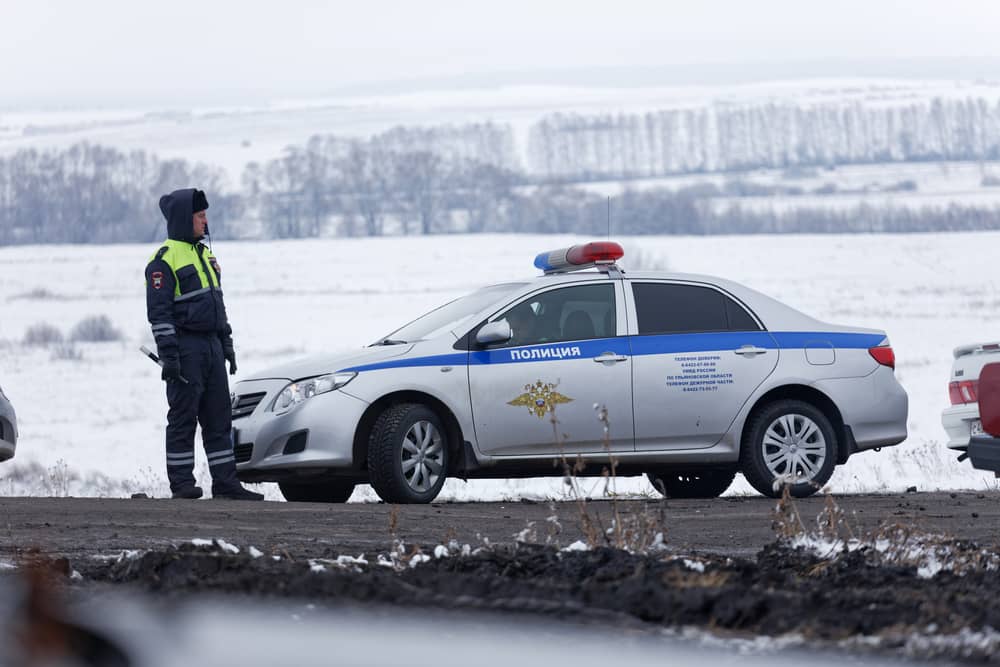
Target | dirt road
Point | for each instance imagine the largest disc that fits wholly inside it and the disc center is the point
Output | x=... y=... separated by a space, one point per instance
x=79 y=527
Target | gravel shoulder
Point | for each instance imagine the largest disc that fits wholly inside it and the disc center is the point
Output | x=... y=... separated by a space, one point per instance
x=739 y=526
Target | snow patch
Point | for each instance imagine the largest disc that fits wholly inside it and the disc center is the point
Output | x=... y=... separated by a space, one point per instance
x=929 y=554
x=579 y=545
x=695 y=565
x=220 y=543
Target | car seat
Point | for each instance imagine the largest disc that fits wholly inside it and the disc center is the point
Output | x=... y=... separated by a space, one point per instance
x=578 y=326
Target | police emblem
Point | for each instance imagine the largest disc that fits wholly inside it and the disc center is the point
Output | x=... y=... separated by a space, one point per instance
x=157 y=277
x=540 y=398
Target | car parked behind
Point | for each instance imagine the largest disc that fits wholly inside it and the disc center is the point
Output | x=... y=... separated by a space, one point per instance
x=8 y=428
x=961 y=420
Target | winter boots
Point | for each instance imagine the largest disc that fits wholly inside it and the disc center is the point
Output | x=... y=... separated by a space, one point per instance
x=188 y=492
x=235 y=492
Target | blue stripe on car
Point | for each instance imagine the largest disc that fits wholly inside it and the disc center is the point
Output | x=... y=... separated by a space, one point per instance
x=636 y=346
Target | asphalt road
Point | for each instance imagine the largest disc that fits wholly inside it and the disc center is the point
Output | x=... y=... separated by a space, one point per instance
x=83 y=527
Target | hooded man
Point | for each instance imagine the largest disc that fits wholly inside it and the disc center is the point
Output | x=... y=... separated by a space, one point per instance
x=194 y=340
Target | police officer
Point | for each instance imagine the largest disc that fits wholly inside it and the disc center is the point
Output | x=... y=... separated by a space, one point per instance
x=193 y=337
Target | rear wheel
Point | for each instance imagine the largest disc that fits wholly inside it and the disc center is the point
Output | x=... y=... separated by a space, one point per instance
x=408 y=454
x=692 y=484
x=788 y=443
x=325 y=492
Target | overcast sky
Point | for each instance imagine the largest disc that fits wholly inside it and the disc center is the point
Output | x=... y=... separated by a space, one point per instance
x=72 y=52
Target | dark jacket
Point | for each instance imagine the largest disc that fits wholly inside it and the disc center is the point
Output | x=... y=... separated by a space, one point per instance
x=184 y=282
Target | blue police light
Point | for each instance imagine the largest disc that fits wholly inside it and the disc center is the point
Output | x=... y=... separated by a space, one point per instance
x=579 y=256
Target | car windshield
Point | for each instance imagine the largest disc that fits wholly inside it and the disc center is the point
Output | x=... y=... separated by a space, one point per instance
x=450 y=315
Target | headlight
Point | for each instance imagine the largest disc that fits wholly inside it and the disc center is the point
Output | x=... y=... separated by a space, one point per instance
x=301 y=390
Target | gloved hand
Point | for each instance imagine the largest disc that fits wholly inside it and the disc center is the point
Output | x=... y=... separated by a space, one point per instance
x=230 y=356
x=171 y=369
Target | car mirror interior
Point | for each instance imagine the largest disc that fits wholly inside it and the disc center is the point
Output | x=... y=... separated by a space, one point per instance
x=494 y=332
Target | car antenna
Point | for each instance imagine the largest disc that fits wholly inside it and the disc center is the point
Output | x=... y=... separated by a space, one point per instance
x=609 y=217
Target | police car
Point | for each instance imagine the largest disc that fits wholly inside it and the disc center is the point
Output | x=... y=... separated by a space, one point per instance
x=697 y=378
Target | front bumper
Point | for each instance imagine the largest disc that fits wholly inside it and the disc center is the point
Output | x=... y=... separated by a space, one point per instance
x=984 y=452
x=957 y=421
x=314 y=439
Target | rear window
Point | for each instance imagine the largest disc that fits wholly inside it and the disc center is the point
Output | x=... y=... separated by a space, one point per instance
x=664 y=308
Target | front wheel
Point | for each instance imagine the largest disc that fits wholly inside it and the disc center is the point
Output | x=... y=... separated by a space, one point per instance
x=325 y=492
x=789 y=443
x=692 y=484
x=408 y=454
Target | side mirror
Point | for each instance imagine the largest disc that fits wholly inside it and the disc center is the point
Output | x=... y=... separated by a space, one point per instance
x=494 y=332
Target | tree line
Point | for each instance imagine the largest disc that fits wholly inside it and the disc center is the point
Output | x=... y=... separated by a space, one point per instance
x=724 y=137
x=404 y=181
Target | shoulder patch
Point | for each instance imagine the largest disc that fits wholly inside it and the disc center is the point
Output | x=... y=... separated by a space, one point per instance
x=157 y=278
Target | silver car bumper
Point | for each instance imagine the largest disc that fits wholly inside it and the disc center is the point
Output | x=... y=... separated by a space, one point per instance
x=875 y=407
x=315 y=436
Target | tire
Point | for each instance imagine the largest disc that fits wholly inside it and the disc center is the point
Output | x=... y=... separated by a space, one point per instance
x=325 y=492
x=774 y=447
x=408 y=454
x=692 y=484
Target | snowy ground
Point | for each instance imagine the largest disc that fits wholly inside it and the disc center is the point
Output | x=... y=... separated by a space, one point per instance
x=94 y=425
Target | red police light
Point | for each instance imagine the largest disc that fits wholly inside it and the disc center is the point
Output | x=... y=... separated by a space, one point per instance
x=597 y=251
x=579 y=256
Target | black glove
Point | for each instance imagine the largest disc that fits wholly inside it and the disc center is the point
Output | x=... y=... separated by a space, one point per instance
x=230 y=356
x=171 y=369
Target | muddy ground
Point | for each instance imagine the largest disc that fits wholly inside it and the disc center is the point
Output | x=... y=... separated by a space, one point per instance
x=723 y=568
x=851 y=600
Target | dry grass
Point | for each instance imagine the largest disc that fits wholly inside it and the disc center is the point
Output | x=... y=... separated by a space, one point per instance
x=889 y=545
x=641 y=533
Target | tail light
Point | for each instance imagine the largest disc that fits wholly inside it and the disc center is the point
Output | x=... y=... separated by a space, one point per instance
x=884 y=355
x=963 y=392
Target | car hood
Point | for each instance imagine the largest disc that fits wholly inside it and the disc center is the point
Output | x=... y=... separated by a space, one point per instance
x=321 y=364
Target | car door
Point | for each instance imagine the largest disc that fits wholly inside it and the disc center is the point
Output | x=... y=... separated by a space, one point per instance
x=535 y=394
x=697 y=356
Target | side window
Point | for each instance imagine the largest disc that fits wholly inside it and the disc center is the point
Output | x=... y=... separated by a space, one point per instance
x=568 y=313
x=663 y=308
x=739 y=318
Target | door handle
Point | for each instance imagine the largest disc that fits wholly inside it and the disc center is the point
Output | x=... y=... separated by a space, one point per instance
x=750 y=351
x=609 y=357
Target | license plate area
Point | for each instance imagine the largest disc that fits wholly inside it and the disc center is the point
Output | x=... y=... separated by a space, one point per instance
x=976 y=427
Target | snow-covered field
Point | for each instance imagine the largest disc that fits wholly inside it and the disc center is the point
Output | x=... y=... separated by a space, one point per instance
x=235 y=135
x=94 y=424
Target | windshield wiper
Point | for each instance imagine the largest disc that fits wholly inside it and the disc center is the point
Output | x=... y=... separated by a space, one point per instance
x=390 y=341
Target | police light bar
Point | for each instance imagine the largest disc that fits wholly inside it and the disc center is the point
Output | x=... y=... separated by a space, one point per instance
x=579 y=257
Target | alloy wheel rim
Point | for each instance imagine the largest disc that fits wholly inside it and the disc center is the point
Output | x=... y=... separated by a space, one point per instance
x=422 y=456
x=794 y=449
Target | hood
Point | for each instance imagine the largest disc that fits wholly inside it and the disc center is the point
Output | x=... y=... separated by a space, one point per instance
x=323 y=364
x=178 y=209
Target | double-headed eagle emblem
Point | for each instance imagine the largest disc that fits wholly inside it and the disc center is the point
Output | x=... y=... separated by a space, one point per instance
x=540 y=398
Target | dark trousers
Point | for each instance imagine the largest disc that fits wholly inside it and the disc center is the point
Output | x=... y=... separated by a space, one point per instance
x=203 y=400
